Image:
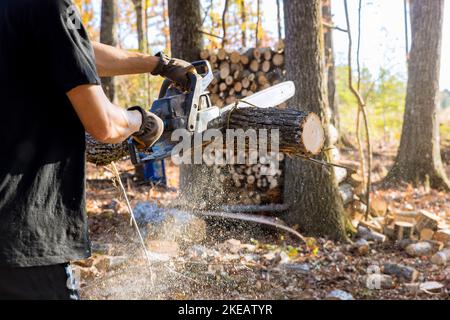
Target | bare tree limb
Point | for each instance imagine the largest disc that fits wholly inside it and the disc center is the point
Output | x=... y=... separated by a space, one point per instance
x=362 y=109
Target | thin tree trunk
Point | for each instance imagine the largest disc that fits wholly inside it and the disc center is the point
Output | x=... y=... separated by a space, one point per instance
x=258 y=23
x=224 y=24
x=330 y=65
x=138 y=7
x=244 y=24
x=107 y=36
x=279 y=20
x=419 y=160
x=310 y=190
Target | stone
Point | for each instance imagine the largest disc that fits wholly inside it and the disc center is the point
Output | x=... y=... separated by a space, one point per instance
x=441 y=257
x=419 y=249
x=339 y=295
x=431 y=287
x=297 y=267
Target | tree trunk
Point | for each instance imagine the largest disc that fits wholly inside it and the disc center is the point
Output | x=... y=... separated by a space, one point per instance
x=244 y=25
x=419 y=160
x=330 y=68
x=310 y=190
x=185 y=23
x=107 y=36
x=186 y=43
x=138 y=7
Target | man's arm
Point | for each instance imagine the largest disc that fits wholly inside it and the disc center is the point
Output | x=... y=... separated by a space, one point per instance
x=105 y=121
x=113 y=61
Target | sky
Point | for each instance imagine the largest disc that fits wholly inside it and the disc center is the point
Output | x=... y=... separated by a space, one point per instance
x=382 y=35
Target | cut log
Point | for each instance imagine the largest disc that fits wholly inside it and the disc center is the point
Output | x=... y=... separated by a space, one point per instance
x=253 y=53
x=235 y=57
x=299 y=132
x=404 y=272
x=103 y=154
x=427 y=220
x=278 y=60
x=224 y=70
x=442 y=235
x=254 y=66
x=426 y=234
x=245 y=60
x=370 y=235
x=221 y=54
x=266 y=66
x=403 y=230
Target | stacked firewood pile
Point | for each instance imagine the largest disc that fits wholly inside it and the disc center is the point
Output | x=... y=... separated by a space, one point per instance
x=236 y=76
x=262 y=182
x=240 y=74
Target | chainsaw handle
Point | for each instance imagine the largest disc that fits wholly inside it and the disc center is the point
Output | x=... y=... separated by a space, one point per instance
x=202 y=69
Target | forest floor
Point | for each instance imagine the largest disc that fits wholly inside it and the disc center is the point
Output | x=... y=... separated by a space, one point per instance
x=246 y=261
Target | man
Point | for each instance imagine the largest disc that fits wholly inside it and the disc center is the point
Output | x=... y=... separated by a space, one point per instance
x=50 y=94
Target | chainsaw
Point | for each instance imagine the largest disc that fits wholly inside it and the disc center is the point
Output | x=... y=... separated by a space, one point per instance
x=192 y=110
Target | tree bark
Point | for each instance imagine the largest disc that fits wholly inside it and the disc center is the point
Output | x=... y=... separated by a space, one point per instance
x=310 y=190
x=186 y=43
x=107 y=36
x=185 y=23
x=418 y=159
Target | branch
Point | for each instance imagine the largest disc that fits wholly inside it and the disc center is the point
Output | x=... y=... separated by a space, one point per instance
x=331 y=26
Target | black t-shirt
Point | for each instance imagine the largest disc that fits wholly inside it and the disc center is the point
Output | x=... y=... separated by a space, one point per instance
x=44 y=53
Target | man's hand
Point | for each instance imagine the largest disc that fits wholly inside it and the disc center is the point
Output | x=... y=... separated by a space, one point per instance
x=173 y=69
x=150 y=131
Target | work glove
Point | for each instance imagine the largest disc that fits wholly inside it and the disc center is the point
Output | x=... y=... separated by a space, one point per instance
x=151 y=129
x=175 y=70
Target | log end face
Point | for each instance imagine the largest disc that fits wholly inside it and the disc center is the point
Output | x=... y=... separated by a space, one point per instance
x=313 y=135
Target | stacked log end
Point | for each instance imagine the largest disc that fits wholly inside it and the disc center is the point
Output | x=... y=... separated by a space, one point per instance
x=240 y=74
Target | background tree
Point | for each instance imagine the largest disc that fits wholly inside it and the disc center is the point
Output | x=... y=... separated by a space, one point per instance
x=107 y=36
x=196 y=185
x=140 y=25
x=310 y=190
x=330 y=69
x=419 y=160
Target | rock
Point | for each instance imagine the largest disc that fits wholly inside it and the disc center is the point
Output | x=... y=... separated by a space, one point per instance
x=419 y=249
x=297 y=267
x=403 y=272
x=378 y=281
x=441 y=257
x=339 y=295
x=101 y=248
x=431 y=287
